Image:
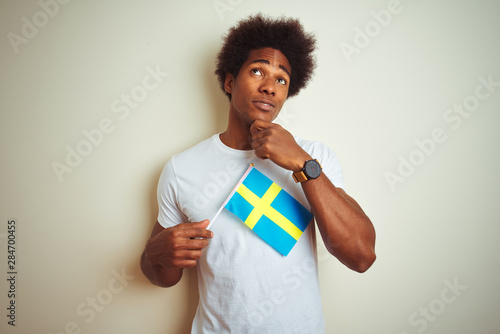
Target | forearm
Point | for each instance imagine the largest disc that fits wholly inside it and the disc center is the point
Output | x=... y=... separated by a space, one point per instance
x=158 y=274
x=347 y=232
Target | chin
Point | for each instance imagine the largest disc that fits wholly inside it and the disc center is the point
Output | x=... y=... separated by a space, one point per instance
x=264 y=116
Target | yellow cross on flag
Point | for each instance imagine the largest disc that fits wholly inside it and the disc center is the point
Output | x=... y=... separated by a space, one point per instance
x=272 y=213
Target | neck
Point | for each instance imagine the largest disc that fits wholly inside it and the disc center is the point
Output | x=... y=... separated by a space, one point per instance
x=239 y=140
x=237 y=134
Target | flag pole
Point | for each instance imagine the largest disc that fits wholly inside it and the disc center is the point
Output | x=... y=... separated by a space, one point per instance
x=231 y=194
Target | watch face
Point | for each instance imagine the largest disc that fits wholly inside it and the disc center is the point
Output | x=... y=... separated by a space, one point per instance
x=312 y=169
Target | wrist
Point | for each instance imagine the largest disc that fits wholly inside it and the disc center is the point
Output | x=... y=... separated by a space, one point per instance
x=298 y=164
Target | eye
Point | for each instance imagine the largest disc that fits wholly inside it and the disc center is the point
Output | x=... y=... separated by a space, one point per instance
x=256 y=71
x=282 y=81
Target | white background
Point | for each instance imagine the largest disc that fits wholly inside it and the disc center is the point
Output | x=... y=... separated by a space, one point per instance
x=75 y=233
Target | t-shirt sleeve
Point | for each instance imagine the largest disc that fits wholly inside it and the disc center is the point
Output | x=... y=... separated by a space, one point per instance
x=169 y=213
x=331 y=167
x=328 y=160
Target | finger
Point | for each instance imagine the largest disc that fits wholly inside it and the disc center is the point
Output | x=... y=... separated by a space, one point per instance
x=194 y=254
x=184 y=263
x=262 y=154
x=191 y=254
x=263 y=144
x=261 y=134
x=259 y=125
x=196 y=230
x=185 y=260
x=203 y=224
x=257 y=143
x=193 y=244
x=261 y=149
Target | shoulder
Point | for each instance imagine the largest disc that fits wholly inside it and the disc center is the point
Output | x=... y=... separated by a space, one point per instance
x=326 y=157
x=194 y=154
x=315 y=148
x=185 y=160
x=201 y=147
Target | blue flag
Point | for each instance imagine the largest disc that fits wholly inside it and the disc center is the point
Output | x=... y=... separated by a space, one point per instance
x=272 y=213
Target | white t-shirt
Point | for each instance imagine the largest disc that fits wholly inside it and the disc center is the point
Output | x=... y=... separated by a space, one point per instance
x=245 y=285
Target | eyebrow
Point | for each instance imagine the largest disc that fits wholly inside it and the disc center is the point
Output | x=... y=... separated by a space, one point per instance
x=265 y=61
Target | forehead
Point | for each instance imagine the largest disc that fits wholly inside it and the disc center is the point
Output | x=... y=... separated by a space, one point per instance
x=270 y=56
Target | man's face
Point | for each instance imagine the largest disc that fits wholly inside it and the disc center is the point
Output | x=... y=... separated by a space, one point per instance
x=261 y=87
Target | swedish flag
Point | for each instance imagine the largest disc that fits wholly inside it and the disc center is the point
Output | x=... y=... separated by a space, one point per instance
x=269 y=211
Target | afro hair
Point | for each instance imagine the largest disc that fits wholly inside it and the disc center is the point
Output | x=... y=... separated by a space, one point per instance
x=284 y=34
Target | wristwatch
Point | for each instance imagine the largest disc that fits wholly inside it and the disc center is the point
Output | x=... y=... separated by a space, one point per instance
x=311 y=170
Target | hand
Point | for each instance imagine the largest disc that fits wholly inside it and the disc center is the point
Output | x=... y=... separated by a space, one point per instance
x=271 y=141
x=179 y=246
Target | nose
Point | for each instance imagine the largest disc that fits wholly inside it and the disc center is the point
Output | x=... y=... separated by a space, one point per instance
x=267 y=87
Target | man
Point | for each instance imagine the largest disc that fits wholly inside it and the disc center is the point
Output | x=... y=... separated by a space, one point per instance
x=245 y=285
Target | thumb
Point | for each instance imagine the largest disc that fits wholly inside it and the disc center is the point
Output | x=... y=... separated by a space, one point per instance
x=202 y=228
x=203 y=224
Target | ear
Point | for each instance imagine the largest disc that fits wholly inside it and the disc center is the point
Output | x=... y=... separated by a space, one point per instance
x=228 y=83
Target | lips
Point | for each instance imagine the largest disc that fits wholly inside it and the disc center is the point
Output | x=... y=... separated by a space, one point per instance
x=264 y=104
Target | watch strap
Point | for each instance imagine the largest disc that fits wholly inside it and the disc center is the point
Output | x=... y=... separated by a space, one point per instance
x=299 y=176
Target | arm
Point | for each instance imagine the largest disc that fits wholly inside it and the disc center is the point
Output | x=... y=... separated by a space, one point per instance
x=170 y=250
x=347 y=232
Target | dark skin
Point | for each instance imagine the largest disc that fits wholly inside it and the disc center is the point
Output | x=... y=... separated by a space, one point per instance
x=257 y=96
